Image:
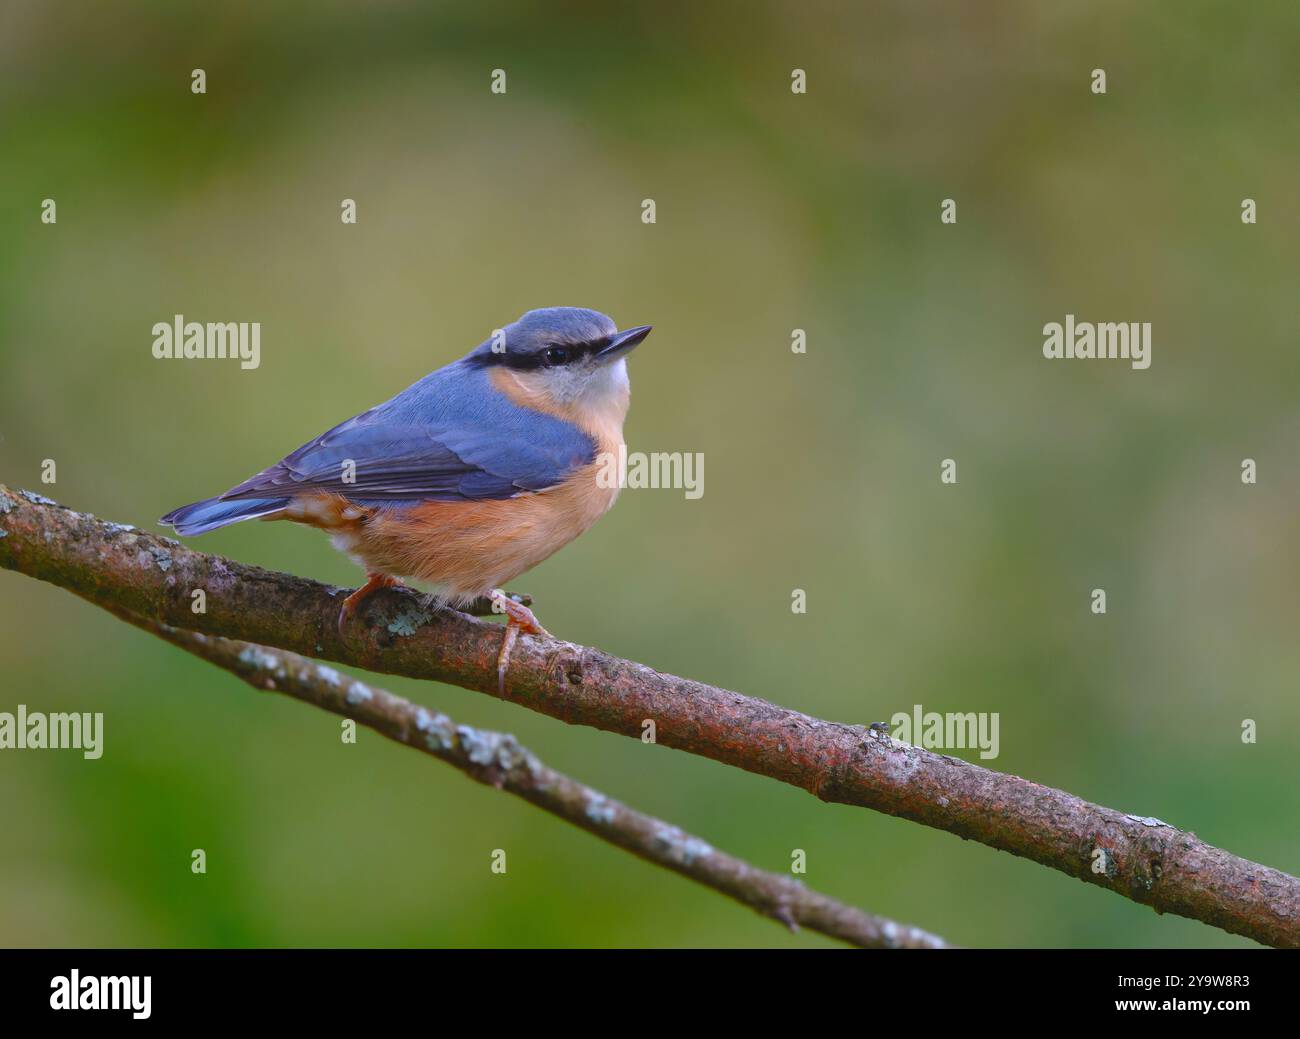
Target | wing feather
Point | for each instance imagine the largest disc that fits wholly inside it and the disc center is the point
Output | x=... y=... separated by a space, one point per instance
x=397 y=452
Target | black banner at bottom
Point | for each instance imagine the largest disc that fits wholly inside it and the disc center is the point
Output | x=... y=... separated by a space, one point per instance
x=167 y=988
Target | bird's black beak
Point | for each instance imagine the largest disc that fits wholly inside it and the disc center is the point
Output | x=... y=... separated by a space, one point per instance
x=621 y=343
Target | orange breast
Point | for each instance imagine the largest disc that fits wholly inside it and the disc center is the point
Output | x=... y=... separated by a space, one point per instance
x=465 y=549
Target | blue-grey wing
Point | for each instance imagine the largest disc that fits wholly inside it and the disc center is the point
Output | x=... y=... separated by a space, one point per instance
x=449 y=437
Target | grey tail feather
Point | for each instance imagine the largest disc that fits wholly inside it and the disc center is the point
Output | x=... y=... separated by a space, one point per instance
x=212 y=513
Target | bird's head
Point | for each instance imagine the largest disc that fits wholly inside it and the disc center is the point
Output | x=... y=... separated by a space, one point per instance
x=571 y=356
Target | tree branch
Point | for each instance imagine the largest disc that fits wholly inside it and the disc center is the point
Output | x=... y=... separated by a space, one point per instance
x=1143 y=859
x=498 y=760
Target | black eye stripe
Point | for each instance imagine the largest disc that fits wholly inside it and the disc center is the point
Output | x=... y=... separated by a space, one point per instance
x=576 y=350
x=538 y=358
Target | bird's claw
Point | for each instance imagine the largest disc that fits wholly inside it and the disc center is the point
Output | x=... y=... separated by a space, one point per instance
x=373 y=583
x=518 y=618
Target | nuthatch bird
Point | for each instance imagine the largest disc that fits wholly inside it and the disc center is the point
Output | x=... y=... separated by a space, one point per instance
x=467 y=478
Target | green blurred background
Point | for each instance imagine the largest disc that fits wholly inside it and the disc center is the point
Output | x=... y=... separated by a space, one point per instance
x=775 y=212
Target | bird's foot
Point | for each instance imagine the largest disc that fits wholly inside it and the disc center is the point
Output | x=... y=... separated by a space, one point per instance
x=518 y=618
x=374 y=582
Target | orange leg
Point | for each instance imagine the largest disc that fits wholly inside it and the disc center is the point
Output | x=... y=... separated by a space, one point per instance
x=374 y=582
x=518 y=618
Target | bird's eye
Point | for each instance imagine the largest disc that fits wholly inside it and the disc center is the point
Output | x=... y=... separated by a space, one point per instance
x=556 y=355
